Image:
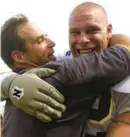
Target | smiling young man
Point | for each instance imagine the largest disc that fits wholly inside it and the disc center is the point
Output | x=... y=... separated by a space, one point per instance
x=90 y=31
x=80 y=74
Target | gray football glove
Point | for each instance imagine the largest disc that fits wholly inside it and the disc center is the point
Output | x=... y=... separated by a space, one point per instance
x=35 y=96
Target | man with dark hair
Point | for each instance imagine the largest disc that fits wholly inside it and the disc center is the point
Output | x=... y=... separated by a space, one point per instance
x=17 y=32
x=11 y=40
x=75 y=77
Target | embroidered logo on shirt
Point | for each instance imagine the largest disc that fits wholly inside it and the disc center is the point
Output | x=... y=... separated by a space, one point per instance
x=68 y=53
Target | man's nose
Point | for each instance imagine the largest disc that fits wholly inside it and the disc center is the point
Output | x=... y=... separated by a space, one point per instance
x=84 y=38
x=51 y=43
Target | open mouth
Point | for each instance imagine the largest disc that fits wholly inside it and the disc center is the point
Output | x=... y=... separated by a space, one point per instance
x=52 y=58
x=84 y=51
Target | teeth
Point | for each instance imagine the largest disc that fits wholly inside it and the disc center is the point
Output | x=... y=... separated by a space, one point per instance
x=85 y=51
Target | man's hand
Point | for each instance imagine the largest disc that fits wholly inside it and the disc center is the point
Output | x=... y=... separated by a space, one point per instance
x=121 y=39
x=35 y=96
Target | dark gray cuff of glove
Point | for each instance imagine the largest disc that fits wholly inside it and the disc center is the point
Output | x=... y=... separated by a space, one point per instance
x=5 y=86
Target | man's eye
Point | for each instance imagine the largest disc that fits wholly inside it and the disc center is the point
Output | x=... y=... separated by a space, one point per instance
x=75 y=32
x=93 y=31
x=39 y=41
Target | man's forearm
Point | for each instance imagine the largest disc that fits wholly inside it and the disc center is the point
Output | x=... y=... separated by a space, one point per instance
x=120 y=126
x=91 y=71
x=5 y=85
x=98 y=69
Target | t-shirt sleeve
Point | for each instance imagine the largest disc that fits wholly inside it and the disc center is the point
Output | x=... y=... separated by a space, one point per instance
x=123 y=86
x=121 y=102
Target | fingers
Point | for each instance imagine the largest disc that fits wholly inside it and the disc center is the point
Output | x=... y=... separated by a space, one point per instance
x=53 y=65
x=50 y=101
x=39 y=115
x=46 y=72
x=42 y=72
x=45 y=87
x=44 y=108
x=49 y=90
x=43 y=117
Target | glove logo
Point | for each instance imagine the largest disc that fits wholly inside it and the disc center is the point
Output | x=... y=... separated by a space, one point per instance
x=17 y=92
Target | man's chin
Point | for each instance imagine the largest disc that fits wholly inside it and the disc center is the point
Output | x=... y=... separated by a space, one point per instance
x=47 y=61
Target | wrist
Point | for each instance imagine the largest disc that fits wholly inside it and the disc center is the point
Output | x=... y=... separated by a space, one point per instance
x=5 y=86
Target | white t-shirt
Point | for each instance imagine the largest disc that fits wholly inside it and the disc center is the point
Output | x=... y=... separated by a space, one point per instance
x=106 y=108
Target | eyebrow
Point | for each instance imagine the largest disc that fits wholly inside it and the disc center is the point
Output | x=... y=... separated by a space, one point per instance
x=94 y=27
x=39 y=37
x=73 y=29
x=89 y=28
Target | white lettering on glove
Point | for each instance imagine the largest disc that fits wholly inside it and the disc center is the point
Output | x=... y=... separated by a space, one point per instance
x=17 y=92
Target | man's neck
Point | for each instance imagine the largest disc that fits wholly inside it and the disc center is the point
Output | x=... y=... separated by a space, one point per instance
x=22 y=68
x=19 y=67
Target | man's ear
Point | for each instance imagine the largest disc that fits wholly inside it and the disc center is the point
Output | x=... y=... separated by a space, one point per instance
x=109 y=30
x=18 y=56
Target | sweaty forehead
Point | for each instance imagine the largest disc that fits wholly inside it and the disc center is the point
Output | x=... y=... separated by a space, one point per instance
x=86 y=16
